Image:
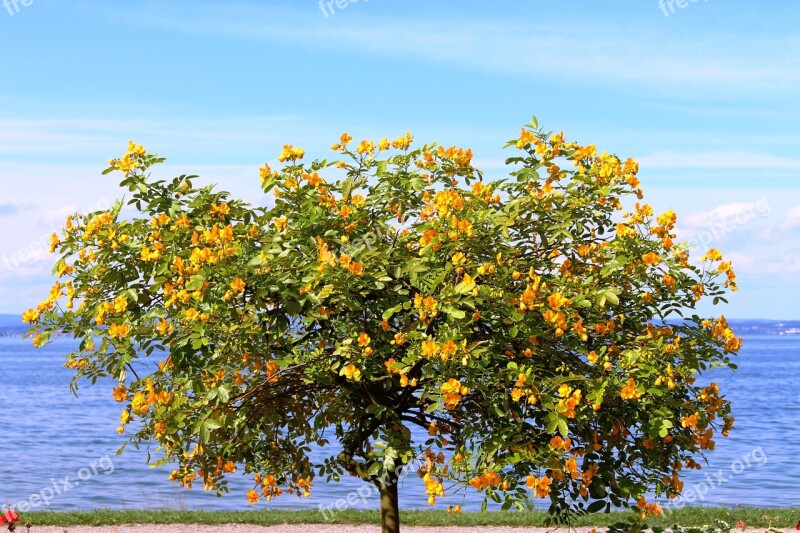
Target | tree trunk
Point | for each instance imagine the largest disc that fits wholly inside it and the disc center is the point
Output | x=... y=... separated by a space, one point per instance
x=390 y=509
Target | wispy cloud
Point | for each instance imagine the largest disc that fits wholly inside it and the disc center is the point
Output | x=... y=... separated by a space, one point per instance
x=604 y=55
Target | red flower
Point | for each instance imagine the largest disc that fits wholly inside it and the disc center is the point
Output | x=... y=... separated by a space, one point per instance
x=740 y=523
x=9 y=516
x=797 y=527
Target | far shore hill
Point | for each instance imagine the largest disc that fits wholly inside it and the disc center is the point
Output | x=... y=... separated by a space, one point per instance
x=12 y=326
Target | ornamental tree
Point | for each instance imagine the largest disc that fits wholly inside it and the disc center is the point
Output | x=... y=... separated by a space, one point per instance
x=538 y=329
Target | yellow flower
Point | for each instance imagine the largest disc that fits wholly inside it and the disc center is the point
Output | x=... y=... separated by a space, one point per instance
x=712 y=255
x=540 y=486
x=363 y=340
x=556 y=301
x=238 y=285
x=525 y=138
x=139 y=403
x=30 y=316
x=357 y=200
x=429 y=348
x=54 y=242
x=449 y=348
x=120 y=304
x=290 y=153
x=487 y=479
x=352 y=372
x=366 y=147
x=453 y=392
x=630 y=392
x=468 y=283
x=120 y=393
x=118 y=331
x=253 y=496
x=356 y=269
x=164 y=327
x=136 y=149
x=402 y=143
x=667 y=219
x=689 y=421
x=651 y=259
x=625 y=231
x=280 y=223
x=265 y=173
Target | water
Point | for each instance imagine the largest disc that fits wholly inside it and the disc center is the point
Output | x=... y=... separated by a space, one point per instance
x=46 y=434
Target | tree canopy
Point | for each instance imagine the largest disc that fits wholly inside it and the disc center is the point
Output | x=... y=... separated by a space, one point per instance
x=539 y=329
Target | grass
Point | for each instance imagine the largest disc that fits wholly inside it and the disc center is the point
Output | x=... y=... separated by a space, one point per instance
x=692 y=516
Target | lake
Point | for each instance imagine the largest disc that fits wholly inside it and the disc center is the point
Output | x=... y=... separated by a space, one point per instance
x=63 y=448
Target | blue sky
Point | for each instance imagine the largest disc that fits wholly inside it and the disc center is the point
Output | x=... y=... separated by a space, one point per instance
x=705 y=96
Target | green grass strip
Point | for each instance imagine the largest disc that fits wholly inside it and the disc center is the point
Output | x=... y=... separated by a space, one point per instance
x=691 y=516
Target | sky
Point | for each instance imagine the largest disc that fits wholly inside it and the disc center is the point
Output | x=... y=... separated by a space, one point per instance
x=704 y=94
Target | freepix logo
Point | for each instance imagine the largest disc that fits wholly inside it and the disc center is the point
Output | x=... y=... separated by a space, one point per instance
x=668 y=6
x=63 y=485
x=13 y=6
x=329 y=7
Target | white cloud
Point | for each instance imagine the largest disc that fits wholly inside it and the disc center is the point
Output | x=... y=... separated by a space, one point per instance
x=723 y=222
x=792 y=219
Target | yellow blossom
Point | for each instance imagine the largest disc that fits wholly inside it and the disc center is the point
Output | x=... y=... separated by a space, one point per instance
x=352 y=372
x=630 y=391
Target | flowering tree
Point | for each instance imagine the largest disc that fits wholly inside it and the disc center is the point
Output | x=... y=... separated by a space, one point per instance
x=521 y=323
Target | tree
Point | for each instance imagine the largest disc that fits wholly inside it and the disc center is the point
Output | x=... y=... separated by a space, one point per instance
x=529 y=325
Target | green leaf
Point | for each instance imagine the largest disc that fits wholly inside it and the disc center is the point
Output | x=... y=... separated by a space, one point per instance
x=347 y=186
x=562 y=427
x=454 y=313
x=212 y=424
x=326 y=291
x=389 y=313
x=612 y=298
x=374 y=468
x=195 y=283
x=224 y=396
x=596 y=506
x=205 y=434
